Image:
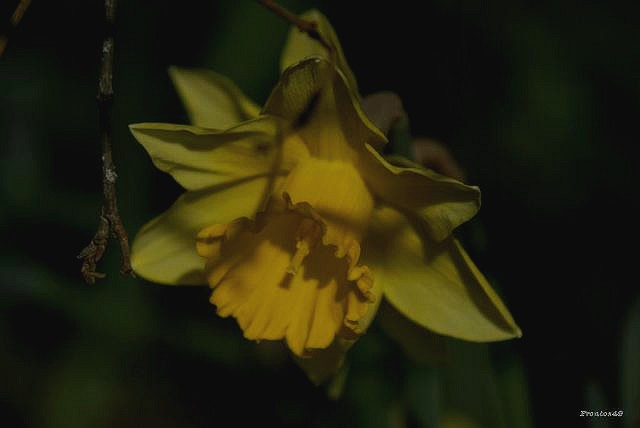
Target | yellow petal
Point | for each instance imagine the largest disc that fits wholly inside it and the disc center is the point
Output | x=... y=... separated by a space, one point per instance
x=436 y=285
x=252 y=280
x=300 y=46
x=164 y=250
x=440 y=202
x=199 y=158
x=212 y=100
x=313 y=96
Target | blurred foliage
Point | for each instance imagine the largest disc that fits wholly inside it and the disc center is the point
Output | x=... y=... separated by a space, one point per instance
x=629 y=367
x=537 y=100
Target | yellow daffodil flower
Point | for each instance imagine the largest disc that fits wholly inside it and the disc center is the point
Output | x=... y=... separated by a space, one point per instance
x=299 y=225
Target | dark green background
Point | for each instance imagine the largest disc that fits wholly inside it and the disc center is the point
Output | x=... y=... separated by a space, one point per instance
x=538 y=101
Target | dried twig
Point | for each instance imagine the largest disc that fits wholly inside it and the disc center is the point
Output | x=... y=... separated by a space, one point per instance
x=16 y=17
x=110 y=223
x=303 y=25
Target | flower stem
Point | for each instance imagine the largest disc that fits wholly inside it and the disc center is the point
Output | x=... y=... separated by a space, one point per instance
x=303 y=25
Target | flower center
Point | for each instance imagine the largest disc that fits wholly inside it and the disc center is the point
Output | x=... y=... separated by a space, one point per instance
x=274 y=278
x=337 y=194
x=293 y=273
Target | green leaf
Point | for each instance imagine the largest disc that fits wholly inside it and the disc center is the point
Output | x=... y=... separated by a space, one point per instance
x=514 y=392
x=630 y=368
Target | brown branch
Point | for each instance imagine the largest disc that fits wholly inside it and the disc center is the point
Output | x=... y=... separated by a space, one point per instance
x=16 y=17
x=303 y=25
x=110 y=223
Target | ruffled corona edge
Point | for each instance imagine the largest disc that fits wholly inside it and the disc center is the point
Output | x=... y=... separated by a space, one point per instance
x=282 y=277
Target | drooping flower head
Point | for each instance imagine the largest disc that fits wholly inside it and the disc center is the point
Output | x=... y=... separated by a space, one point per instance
x=299 y=225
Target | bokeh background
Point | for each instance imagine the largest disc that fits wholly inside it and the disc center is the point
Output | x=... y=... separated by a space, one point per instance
x=538 y=101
